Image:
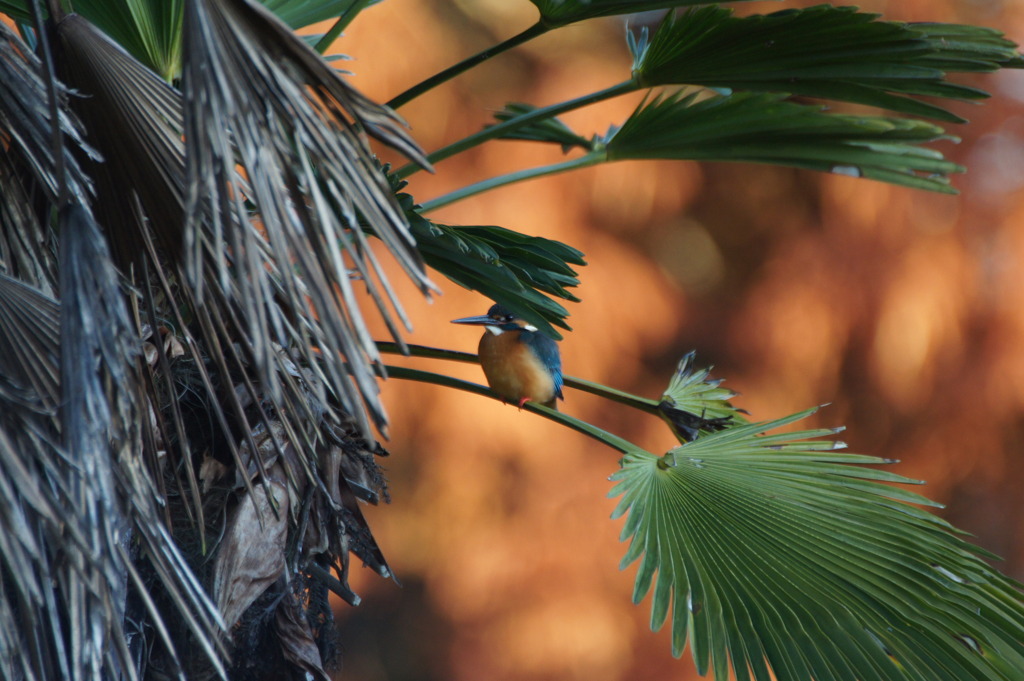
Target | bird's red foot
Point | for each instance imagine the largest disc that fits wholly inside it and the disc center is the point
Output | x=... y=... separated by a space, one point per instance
x=523 y=401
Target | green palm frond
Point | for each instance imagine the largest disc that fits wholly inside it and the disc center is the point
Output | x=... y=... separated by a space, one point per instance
x=765 y=128
x=510 y=268
x=519 y=271
x=826 y=52
x=150 y=30
x=758 y=128
x=776 y=552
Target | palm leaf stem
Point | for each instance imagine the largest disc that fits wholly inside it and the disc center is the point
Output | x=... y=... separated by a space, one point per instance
x=602 y=436
x=505 y=127
x=642 y=403
x=389 y=348
x=590 y=159
x=466 y=64
x=344 y=19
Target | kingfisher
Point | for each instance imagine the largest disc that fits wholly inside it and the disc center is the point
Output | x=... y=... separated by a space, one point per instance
x=521 y=364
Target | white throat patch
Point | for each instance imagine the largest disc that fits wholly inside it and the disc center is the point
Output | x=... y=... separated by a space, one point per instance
x=497 y=330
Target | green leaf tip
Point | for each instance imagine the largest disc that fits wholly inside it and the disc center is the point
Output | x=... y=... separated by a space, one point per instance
x=693 y=404
x=556 y=13
x=550 y=130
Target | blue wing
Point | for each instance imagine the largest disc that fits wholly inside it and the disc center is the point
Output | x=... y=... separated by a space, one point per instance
x=547 y=351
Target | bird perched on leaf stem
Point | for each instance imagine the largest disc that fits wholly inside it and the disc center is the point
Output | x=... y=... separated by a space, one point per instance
x=520 y=363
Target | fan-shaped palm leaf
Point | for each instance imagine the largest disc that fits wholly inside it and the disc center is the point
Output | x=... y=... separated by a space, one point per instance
x=135 y=119
x=777 y=556
x=150 y=30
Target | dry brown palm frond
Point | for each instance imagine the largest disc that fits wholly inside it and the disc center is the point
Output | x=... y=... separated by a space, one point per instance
x=75 y=495
x=59 y=515
x=252 y=327
x=29 y=169
x=268 y=297
x=257 y=96
x=25 y=242
x=28 y=347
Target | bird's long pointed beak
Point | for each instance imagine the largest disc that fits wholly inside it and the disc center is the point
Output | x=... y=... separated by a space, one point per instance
x=481 y=320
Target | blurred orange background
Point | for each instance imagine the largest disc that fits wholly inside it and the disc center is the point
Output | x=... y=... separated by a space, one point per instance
x=902 y=309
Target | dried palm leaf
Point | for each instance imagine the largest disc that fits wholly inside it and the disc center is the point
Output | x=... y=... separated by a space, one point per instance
x=75 y=491
x=292 y=125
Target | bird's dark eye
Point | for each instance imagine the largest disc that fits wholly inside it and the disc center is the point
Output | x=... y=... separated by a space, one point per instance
x=509 y=318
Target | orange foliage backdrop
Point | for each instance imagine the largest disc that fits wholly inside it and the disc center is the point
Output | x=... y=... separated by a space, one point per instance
x=902 y=309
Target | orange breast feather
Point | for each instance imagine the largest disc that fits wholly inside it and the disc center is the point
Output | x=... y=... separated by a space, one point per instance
x=513 y=371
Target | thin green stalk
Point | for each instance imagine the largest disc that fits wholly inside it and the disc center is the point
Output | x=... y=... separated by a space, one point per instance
x=466 y=64
x=590 y=159
x=505 y=127
x=354 y=8
x=642 y=403
x=602 y=436
x=389 y=348
x=628 y=399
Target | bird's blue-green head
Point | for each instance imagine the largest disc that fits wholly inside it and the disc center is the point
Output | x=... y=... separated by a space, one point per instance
x=498 y=320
